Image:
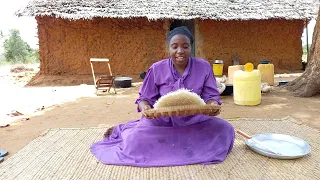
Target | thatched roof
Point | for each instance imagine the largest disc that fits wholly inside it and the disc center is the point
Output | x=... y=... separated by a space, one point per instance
x=174 y=9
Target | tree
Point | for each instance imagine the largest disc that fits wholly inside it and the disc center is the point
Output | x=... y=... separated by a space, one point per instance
x=308 y=84
x=16 y=50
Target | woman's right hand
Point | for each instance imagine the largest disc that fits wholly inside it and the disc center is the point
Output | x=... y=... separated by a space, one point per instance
x=143 y=106
x=146 y=107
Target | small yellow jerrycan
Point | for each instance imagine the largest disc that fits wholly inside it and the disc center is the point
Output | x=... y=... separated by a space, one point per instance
x=218 y=68
x=267 y=72
x=247 y=86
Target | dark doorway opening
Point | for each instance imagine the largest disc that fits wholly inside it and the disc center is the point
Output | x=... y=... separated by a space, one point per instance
x=190 y=25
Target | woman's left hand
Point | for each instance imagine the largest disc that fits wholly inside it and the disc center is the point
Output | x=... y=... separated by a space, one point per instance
x=214 y=103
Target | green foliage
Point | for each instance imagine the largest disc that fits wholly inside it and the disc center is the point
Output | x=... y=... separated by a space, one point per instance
x=15 y=48
x=304 y=49
x=33 y=56
x=18 y=51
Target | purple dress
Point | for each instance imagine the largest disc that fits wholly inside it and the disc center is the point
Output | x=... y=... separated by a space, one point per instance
x=170 y=141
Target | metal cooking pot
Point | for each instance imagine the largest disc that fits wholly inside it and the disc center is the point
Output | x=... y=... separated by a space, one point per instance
x=228 y=91
x=123 y=82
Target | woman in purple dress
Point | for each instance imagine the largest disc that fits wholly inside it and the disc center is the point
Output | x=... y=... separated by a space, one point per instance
x=171 y=141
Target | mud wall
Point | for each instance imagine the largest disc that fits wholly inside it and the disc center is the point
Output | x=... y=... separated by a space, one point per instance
x=275 y=40
x=131 y=45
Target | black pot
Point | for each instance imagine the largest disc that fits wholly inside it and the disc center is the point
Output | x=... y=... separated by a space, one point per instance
x=228 y=91
x=143 y=75
x=123 y=82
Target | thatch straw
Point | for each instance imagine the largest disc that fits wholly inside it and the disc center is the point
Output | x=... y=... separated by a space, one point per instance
x=174 y=9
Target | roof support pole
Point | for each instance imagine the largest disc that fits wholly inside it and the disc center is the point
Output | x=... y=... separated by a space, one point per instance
x=307 y=41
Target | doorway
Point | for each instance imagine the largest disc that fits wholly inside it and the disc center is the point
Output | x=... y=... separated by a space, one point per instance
x=190 y=25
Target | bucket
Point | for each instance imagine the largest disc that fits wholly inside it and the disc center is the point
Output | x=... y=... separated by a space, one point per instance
x=218 y=67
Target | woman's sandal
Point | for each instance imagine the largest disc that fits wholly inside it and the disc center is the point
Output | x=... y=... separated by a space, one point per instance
x=108 y=132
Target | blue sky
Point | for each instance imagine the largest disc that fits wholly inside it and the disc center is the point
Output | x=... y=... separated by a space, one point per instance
x=28 y=27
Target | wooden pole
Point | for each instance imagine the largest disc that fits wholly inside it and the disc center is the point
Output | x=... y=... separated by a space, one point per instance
x=307 y=41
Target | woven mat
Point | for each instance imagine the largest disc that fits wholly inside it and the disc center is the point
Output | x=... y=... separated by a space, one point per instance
x=64 y=154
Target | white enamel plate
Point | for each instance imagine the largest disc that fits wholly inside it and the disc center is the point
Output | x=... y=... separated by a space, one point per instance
x=284 y=146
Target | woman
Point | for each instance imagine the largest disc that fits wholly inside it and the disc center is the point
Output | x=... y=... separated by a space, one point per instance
x=169 y=141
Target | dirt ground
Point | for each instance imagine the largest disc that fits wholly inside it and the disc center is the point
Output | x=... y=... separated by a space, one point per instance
x=77 y=106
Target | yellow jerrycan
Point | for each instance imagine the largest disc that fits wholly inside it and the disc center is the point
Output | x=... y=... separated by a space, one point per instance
x=218 y=68
x=247 y=86
x=231 y=70
x=267 y=72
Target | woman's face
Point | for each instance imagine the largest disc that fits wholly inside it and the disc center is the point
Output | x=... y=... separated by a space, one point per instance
x=180 y=50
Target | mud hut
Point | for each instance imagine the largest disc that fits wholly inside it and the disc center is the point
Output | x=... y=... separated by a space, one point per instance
x=131 y=33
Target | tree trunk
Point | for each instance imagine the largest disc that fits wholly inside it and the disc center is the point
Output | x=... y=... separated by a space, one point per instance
x=308 y=84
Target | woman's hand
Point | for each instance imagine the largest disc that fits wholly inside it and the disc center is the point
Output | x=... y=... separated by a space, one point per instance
x=214 y=103
x=143 y=106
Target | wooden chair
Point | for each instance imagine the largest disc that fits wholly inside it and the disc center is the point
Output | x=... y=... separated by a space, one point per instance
x=103 y=82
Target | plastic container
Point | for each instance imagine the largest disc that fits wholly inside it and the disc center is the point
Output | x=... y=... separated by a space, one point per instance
x=267 y=72
x=247 y=87
x=231 y=70
x=218 y=67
